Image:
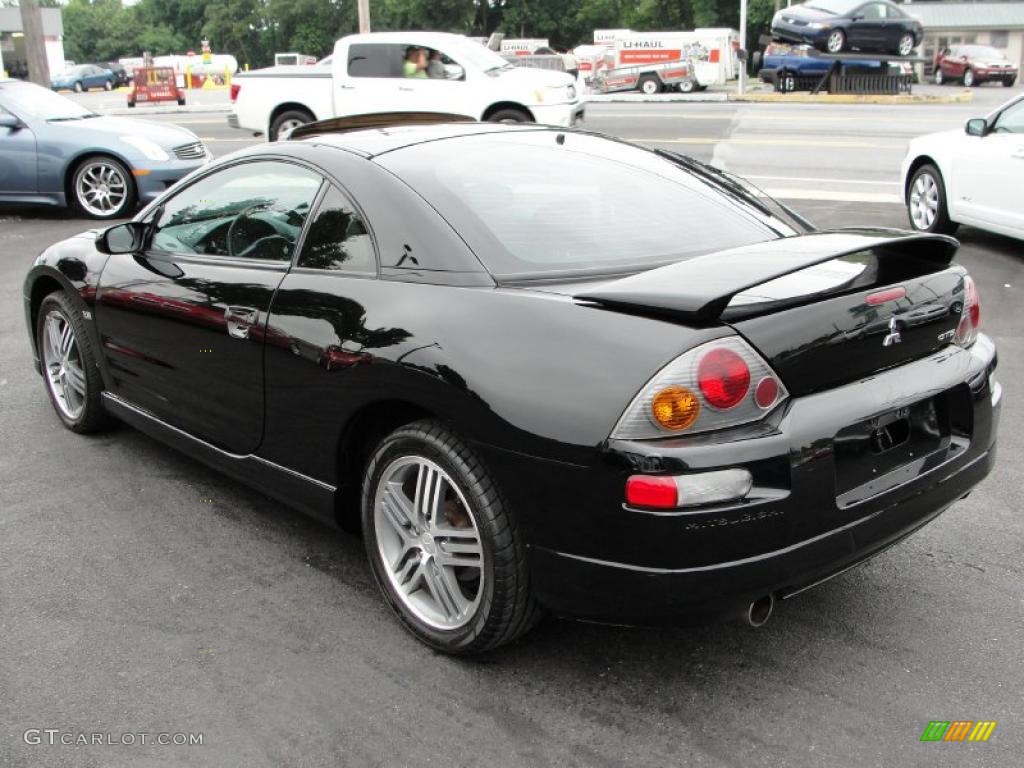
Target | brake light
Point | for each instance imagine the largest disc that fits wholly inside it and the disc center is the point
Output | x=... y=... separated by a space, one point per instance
x=709 y=387
x=235 y=88
x=723 y=377
x=970 y=317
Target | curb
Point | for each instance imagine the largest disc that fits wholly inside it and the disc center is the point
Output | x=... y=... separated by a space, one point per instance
x=964 y=97
x=637 y=98
x=140 y=111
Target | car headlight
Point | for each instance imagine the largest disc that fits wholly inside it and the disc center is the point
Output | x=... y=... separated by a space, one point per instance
x=570 y=92
x=149 y=148
x=817 y=25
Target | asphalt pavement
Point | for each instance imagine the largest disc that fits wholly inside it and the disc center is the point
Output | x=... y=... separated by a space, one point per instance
x=141 y=592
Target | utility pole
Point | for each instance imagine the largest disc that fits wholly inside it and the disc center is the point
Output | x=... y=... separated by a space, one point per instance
x=35 y=48
x=364 y=16
x=743 y=45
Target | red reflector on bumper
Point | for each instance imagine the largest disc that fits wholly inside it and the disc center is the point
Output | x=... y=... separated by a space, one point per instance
x=651 y=491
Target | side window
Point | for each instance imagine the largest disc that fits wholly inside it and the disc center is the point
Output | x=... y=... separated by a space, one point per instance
x=249 y=211
x=375 y=60
x=337 y=239
x=873 y=11
x=1011 y=119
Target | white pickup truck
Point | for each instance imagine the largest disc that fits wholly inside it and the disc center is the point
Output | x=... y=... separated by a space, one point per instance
x=402 y=72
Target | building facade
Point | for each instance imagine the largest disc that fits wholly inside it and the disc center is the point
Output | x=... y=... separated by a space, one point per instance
x=12 y=41
x=999 y=24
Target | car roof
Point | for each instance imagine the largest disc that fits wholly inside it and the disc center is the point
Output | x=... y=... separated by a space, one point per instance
x=376 y=141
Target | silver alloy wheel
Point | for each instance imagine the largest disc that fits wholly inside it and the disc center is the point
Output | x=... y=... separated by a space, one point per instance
x=650 y=87
x=938 y=75
x=924 y=201
x=906 y=45
x=62 y=365
x=100 y=188
x=428 y=542
x=835 y=41
x=968 y=78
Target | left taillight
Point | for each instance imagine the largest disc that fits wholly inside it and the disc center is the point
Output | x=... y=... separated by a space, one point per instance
x=235 y=88
x=970 y=317
x=720 y=384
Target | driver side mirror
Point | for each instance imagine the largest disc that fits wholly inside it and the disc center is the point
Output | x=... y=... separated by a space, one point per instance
x=9 y=121
x=454 y=72
x=977 y=126
x=123 y=238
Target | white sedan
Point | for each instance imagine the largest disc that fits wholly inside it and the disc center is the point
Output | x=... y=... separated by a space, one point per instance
x=971 y=176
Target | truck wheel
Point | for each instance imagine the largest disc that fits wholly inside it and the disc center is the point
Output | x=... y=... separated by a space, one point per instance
x=510 y=115
x=288 y=120
x=689 y=85
x=649 y=85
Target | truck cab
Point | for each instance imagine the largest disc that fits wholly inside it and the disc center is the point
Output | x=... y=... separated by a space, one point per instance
x=403 y=72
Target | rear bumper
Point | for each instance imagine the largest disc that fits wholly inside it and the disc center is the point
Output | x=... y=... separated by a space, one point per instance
x=593 y=557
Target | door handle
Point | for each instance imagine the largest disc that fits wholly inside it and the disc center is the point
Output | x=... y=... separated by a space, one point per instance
x=403 y=88
x=347 y=87
x=239 y=320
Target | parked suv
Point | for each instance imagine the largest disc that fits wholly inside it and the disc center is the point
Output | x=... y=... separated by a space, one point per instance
x=974 y=65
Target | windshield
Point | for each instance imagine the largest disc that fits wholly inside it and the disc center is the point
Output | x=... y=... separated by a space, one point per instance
x=837 y=7
x=542 y=204
x=471 y=54
x=980 y=52
x=32 y=102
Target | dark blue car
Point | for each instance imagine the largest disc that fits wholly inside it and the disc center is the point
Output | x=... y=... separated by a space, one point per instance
x=841 y=25
x=800 y=61
x=82 y=78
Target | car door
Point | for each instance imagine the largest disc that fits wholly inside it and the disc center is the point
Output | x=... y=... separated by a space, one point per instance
x=988 y=172
x=19 y=167
x=444 y=89
x=868 y=27
x=367 y=81
x=183 y=323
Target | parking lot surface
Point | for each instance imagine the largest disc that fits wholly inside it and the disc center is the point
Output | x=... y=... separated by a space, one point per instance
x=144 y=593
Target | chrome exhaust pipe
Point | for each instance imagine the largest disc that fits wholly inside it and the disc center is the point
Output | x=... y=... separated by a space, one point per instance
x=759 y=611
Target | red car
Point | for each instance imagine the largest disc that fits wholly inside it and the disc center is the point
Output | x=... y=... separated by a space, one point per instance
x=974 y=64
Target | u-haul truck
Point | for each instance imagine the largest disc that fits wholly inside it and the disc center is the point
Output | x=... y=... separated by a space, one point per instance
x=523 y=46
x=651 y=62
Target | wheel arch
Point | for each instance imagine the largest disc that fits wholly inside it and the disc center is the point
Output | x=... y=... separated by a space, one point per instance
x=917 y=164
x=286 y=107
x=364 y=431
x=500 y=105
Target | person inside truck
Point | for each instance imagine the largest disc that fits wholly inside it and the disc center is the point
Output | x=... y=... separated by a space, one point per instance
x=435 y=66
x=415 y=63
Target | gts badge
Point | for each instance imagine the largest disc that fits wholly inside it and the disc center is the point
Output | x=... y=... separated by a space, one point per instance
x=948 y=335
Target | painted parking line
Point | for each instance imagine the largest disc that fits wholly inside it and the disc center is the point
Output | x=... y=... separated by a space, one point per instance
x=832 y=195
x=793 y=142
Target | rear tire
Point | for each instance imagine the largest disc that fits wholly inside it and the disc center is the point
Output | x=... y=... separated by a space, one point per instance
x=969 y=78
x=689 y=85
x=926 y=202
x=510 y=115
x=78 y=87
x=69 y=363
x=835 y=42
x=938 y=76
x=649 y=85
x=456 y=609
x=905 y=45
x=292 y=119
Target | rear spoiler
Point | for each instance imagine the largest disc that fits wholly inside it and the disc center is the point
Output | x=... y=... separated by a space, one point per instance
x=700 y=289
x=375 y=120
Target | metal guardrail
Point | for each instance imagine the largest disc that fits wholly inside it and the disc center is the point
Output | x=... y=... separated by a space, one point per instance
x=537 y=61
x=870 y=83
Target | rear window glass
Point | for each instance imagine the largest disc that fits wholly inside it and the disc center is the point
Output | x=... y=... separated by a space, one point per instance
x=531 y=207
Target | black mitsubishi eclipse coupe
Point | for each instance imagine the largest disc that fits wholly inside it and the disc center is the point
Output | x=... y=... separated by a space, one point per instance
x=540 y=368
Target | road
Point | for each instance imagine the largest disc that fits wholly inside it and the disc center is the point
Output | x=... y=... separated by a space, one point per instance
x=142 y=592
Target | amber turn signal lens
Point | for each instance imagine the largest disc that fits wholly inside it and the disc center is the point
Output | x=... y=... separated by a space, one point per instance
x=675 y=408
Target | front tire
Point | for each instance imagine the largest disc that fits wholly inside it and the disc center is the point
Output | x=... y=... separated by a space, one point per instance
x=72 y=377
x=78 y=87
x=102 y=188
x=836 y=41
x=107 y=85
x=905 y=45
x=939 y=80
x=443 y=544
x=969 y=78
x=926 y=202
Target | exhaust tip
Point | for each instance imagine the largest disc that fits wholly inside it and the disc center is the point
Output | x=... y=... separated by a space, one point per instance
x=760 y=611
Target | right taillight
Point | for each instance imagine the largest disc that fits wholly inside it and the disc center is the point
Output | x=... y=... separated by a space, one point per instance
x=235 y=88
x=970 y=317
x=720 y=384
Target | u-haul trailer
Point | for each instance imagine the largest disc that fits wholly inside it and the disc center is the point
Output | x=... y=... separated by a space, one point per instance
x=523 y=46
